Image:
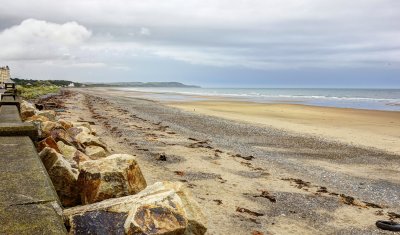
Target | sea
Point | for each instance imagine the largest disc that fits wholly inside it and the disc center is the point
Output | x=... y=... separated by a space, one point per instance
x=372 y=99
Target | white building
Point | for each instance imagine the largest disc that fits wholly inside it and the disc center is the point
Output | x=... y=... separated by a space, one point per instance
x=4 y=74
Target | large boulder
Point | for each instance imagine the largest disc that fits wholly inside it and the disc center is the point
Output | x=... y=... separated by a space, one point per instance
x=66 y=124
x=50 y=114
x=162 y=208
x=27 y=110
x=197 y=222
x=37 y=121
x=117 y=175
x=59 y=134
x=47 y=143
x=47 y=127
x=83 y=135
x=84 y=124
x=36 y=118
x=95 y=152
x=75 y=130
x=71 y=153
x=63 y=176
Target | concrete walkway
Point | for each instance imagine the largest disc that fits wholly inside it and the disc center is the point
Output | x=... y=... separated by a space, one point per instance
x=28 y=201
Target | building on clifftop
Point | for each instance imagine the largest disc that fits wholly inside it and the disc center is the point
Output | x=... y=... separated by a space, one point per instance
x=4 y=75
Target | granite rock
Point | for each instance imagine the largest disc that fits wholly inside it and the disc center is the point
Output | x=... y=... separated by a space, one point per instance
x=114 y=176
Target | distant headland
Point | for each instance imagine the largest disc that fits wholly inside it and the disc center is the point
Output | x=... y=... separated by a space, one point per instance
x=65 y=83
x=142 y=84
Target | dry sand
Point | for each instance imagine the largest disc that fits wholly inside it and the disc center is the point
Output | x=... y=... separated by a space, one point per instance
x=369 y=128
x=249 y=178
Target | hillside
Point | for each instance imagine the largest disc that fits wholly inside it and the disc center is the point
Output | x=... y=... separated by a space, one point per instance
x=63 y=83
x=141 y=84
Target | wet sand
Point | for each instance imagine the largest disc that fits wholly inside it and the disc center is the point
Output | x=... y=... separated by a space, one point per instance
x=249 y=177
x=369 y=128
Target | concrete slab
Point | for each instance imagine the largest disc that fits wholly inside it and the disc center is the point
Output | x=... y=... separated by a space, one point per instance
x=9 y=113
x=19 y=129
x=28 y=201
x=37 y=218
x=8 y=95
x=16 y=103
x=10 y=99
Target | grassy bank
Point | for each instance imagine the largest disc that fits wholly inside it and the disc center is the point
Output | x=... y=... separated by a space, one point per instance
x=33 y=92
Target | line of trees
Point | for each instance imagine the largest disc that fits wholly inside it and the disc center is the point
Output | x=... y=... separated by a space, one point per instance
x=31 y=82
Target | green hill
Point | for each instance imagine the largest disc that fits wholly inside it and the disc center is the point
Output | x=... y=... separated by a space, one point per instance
x=140 y=84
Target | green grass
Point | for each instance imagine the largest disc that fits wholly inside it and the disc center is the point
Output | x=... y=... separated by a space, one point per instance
x=33 y=92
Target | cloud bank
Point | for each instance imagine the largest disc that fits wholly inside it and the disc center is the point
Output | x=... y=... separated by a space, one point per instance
x=263 y=35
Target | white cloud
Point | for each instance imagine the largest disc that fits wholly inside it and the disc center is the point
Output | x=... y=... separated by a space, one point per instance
x=39 y=40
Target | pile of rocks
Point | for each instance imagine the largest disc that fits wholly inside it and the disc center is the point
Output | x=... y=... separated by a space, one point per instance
x=107 y=193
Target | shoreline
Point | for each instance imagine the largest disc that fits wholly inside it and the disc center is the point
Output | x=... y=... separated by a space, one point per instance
x=369 y=128
x=366 y=128
x=361 y=127
x=345 y=101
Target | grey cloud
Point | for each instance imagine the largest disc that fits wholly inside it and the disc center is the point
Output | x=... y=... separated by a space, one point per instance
x=258 y=34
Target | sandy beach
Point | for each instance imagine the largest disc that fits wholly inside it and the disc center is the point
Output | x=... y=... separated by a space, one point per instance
x=368 y=128
x=258 y=168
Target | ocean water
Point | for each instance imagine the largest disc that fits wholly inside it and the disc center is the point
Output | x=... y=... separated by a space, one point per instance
x=374 y=99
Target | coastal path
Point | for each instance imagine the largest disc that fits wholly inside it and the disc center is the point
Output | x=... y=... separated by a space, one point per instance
x=28 y=201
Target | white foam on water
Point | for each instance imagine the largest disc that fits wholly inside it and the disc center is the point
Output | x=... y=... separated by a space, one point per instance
x=348 y=98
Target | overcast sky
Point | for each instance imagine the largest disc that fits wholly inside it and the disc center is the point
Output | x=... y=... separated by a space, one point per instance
x=215 y=43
